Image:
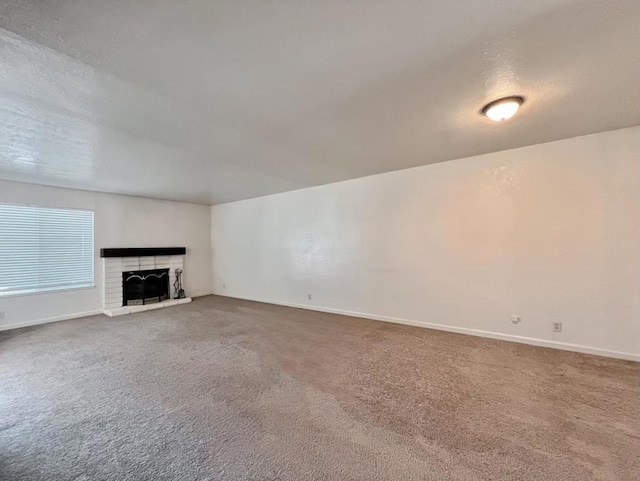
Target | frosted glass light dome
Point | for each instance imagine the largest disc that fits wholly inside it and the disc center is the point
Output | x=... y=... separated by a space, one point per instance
x=502 y=109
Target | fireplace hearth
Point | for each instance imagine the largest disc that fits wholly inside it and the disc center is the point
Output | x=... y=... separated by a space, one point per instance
x=145 y=287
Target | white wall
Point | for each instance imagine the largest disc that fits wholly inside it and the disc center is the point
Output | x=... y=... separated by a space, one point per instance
x=120 y=221
x=548 y=233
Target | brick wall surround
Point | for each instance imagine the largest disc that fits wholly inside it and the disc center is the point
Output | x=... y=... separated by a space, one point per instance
x=113 y=267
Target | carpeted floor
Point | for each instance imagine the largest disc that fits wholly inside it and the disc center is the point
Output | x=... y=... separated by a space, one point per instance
x=224 y=389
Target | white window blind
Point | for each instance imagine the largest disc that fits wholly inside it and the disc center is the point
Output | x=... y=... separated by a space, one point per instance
x=43 y=249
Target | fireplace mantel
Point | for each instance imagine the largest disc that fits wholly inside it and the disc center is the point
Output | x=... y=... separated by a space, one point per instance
x=143 y=251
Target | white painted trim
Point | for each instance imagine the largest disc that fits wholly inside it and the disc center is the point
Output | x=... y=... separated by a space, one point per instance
x=18 y=325
x=52 y=290
x=459 y=330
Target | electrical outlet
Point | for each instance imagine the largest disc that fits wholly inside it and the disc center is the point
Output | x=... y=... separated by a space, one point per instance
x=515 y=319
x=1 y=314
x=557 y=326
x=224 y=286
x=309 y=296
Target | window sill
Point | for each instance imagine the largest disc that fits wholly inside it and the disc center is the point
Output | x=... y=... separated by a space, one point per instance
x=51 y=290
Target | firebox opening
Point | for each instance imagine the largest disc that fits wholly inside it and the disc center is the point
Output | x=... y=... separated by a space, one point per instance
x=145 y=287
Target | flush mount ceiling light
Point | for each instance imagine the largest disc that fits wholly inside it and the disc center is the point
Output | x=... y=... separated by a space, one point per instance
x=502 y=109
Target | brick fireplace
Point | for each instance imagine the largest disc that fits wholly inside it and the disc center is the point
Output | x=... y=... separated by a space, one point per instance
x=140 y=279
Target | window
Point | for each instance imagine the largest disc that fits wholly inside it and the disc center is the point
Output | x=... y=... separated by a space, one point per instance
x=44 y=249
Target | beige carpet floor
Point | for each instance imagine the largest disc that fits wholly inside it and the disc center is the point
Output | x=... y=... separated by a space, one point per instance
x=224 y=389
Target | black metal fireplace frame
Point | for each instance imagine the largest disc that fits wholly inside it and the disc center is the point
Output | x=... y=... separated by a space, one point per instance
x=145 y=287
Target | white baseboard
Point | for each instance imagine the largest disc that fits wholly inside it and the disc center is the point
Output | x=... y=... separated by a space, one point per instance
x=459 y=330
x=18 y=325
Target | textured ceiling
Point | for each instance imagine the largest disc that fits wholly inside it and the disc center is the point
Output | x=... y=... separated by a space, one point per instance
x=214 y=101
